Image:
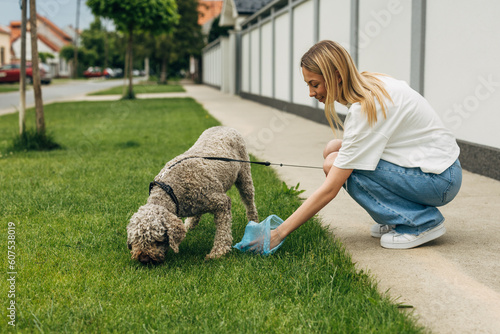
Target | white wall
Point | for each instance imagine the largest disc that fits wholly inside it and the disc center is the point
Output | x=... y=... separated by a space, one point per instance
x=303 y=39
x=245 y=63
x=255 y=61
x=462 y=67
x=267 y=60
x=338 y=29
x=282 y=57
x=335 y=21
x=385 y=37
x=212 y=73
x=227 y=68
x=286 y=67
x=461 y=73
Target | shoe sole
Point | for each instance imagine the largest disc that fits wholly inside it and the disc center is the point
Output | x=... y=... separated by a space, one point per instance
x=423 y=238
x=377 y=235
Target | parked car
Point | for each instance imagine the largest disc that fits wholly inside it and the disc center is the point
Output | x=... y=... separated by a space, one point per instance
x=12 y=73
x=117 y=73
x=96 y=72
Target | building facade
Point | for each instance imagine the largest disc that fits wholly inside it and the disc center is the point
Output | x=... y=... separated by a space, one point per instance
x=51 y=39
x=5 y=52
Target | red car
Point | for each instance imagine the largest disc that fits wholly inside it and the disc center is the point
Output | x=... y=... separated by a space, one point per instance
x=95 y=72
x=12 y=73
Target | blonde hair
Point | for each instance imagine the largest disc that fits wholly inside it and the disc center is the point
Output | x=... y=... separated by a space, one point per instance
x=332 y=61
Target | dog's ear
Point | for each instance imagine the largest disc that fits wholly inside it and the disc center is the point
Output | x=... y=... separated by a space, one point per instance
x=176 y=231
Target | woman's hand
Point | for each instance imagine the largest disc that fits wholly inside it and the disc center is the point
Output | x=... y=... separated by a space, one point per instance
x=276 y=238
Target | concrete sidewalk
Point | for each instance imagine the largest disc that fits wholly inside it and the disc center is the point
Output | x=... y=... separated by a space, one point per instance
x=453 y=283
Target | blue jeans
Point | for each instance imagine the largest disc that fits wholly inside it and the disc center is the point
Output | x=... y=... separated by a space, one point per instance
x=405 y=197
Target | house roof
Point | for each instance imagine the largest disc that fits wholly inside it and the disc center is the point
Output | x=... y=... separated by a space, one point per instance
x=15 y=30
x=208 y=10
x=60 y=33
x=4 y=30
x=234 y=11
x=56 y=34
x=49 y=43
x=247 y=7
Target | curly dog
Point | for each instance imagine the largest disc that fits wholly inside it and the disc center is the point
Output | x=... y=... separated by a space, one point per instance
x=190 y=185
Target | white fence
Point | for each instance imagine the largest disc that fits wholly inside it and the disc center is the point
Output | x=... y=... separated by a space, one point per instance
x=447 y=50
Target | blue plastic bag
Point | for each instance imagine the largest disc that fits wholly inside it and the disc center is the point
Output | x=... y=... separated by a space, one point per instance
x=257 y=236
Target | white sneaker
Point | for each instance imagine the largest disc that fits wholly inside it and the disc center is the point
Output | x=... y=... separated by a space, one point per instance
x=378 y=230
x=396 y=240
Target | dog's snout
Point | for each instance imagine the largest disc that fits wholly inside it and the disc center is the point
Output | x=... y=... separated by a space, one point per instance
x=145 y=259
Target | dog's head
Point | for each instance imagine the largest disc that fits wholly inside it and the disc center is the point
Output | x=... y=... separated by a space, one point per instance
x=151 y=231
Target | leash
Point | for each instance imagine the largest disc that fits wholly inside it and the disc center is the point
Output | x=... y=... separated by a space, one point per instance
x=263 y=163
x=170 y=192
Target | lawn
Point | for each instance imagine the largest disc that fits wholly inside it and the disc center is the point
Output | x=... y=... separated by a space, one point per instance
x=6 y=87
x=71 y=206
x=145 y=87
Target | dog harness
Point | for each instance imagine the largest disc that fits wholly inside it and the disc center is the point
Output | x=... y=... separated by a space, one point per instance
x=170 y=192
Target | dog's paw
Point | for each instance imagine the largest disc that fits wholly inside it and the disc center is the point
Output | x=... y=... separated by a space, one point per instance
x=217 y=254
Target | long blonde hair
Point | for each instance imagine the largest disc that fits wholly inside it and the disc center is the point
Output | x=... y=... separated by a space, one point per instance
x=332 y=61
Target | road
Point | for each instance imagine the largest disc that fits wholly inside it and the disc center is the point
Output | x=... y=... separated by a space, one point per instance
x=9 y=102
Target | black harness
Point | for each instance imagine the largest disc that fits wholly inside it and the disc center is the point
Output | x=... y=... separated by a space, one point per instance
x=170 y=192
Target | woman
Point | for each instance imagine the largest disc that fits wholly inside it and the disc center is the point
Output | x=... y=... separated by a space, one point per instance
x=396 y=159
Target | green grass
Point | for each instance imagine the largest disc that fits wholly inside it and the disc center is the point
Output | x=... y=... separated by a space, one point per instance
x=143 y=88
x=5 y=88
x=13 y=87
x=74 y=273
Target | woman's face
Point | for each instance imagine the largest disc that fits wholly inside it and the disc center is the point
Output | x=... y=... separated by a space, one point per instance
x=316 y=84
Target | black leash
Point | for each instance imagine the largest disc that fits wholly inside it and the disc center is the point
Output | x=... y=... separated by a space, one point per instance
x=170 y=192
x=264 y=163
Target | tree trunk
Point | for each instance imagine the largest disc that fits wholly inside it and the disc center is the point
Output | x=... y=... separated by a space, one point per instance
x=22 y=79
x=163 y=74
x=75 y=51
x=125 y=74
x=146 y=68
x=37 y=89
x=130 y=94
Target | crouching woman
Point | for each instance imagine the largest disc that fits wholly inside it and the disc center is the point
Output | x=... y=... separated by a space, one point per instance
x=396 y=159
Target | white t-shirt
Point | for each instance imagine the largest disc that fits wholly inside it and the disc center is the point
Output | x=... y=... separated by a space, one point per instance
x=412 y=135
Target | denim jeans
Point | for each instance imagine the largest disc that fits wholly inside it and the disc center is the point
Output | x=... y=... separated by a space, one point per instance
x=405 y=197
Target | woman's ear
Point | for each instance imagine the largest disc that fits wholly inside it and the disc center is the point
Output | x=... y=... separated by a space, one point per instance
x=339 y=78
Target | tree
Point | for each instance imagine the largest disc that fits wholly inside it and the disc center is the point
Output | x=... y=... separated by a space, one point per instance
x=22 y=79
x=155 y=16
x=44 y=56
x=37 y=89
x=98 y=47
x=27 y=139
x=173 y=50
x=216 y=30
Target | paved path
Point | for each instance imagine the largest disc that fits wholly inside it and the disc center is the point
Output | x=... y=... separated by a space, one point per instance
x=57 y=92
x=453 y=282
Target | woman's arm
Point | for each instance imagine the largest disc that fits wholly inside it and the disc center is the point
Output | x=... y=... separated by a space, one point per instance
x=321 y=197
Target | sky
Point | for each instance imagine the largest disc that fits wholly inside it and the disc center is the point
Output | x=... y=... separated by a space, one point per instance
x=61 y=12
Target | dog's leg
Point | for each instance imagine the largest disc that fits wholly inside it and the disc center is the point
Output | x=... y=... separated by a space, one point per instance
x=223 y=220
x=192 y=222
x=244 y=184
